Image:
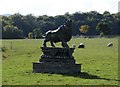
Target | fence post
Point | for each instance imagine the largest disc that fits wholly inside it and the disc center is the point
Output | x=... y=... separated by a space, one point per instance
x=11 y=45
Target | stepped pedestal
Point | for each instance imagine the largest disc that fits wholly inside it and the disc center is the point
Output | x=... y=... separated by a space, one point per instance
x=56 y=60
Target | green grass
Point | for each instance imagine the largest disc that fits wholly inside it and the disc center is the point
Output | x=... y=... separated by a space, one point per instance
x=99 y=63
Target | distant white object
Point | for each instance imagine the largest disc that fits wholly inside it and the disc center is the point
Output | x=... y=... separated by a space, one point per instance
x=110 y=44
x=74 y=45
x=81 y=45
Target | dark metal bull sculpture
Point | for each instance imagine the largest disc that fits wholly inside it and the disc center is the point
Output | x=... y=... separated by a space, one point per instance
x=61 y=34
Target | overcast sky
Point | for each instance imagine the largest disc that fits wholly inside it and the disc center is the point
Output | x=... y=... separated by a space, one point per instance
x=56 y=7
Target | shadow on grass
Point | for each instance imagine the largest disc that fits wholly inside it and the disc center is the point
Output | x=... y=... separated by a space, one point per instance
x=86 y=75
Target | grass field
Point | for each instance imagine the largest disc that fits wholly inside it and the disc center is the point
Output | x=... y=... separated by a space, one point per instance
x=99 y=63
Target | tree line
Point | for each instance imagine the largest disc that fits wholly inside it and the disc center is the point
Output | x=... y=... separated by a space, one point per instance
x=83 y=23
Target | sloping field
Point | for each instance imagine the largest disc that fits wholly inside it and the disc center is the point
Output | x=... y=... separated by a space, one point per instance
x=99 y=63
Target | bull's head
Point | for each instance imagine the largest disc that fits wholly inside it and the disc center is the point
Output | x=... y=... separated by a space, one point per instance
x=68 y=23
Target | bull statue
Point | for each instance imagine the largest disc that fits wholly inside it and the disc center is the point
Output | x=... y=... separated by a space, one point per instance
x=62 y=34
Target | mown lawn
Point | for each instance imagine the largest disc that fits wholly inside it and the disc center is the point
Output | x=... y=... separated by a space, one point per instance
x=99 y=63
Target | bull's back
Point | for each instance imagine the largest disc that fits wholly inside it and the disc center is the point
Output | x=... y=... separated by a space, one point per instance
x=68 y=38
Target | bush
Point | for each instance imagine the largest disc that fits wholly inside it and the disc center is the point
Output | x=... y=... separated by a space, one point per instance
x=3 y=49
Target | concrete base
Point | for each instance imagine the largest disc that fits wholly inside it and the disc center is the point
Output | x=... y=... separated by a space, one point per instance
x=56 y=60
x=56 y=67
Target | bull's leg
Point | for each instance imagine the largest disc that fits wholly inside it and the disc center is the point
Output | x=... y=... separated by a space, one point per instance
x=52 y=44
x=64 y=44
x=44 y=44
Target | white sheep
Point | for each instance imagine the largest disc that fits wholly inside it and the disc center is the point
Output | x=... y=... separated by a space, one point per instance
x=110 y=44
x=81 y=45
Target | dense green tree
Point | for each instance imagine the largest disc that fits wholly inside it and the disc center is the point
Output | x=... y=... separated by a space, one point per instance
x=103 y=28
x=28 y=23
x=11 y=32
x=17 y=20
x=37 y=33
x=30 y=35
x=59 y=19
x=25 y=23
x=106 y=13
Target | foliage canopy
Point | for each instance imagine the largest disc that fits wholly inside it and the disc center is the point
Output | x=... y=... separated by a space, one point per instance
x=28 y=23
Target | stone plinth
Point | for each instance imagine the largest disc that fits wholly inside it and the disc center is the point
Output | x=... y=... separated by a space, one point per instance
x=56 y=60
